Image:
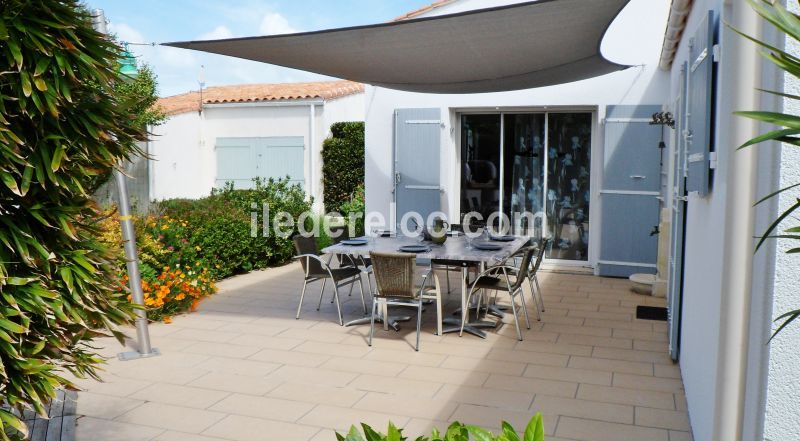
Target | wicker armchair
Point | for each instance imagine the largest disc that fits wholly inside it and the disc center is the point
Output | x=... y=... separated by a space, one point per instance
x=316 y=269
x=498 y=279
x=394 y=277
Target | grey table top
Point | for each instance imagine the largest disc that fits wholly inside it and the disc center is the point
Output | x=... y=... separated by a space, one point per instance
x=454 y=248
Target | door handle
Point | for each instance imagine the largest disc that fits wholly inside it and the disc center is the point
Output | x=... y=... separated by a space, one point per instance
x=638 y=176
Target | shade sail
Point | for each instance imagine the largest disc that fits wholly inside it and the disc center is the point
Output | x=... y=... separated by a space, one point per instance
x=513 y=47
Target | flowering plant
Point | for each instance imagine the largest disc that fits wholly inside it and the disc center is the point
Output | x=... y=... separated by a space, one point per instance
x=173 y=279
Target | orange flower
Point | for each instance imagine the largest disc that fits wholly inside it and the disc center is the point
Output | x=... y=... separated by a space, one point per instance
x=167 y=319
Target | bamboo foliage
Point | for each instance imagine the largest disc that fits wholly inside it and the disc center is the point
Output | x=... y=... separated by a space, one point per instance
x=62 y=130
x=788 y=125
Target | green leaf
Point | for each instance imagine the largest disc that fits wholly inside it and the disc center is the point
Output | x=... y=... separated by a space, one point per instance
x=480 y=434
x=41 y=66
x=776 y=118
x=370 y=434
x=10 y=182
x=775 y=193
x=27 y=88
x=394 y=434
x=775 y=135
x=535 y=429
x=790 y=317
x=353 y=435
x=11 y=326
x=41 y=86
x=8 y=419
x=58 y=153
x=15 y=52
x=777 y=222
x=509 y=432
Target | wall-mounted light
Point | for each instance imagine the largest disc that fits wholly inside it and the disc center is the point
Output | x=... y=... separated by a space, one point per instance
x=663 y=119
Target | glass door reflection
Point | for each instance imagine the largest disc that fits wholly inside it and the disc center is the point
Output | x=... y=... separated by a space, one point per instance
x=568 y=194
x=523 y=177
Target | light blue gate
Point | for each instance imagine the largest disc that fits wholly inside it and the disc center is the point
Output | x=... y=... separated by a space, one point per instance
x=416 y=162
x=631 y=187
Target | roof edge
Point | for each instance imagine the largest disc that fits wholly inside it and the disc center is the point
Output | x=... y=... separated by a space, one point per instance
x=424 y=9
x=676 y=23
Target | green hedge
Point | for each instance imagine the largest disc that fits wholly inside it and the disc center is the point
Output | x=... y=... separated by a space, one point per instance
x=342 y=164
x=218 y=230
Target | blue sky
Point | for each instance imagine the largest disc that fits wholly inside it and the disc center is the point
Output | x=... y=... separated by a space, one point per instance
x=178 y=70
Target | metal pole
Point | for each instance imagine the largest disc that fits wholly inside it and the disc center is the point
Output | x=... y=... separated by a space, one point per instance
x=129 y=239
x=134 y=278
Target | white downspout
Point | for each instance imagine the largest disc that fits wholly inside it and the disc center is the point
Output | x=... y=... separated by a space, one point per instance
x=743 y=70
x=311 y=188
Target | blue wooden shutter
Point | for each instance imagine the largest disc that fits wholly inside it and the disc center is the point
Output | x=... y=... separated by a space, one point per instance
x=675 y=269
x=416 y=155
x=700 y=116
x=235 y=162
x=281 y=156
x=239 y=160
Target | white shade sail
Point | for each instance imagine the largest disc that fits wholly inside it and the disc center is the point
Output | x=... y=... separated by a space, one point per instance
x=521 y=46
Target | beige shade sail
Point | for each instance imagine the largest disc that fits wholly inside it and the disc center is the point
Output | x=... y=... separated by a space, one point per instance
x=513 y=47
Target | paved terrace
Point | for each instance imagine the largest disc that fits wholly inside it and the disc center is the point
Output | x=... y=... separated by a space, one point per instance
x=242 y=368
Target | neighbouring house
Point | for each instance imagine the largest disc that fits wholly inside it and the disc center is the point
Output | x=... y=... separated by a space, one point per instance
x=236 y=133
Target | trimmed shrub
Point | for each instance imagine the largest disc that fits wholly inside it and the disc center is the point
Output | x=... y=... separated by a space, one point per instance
x=62 y=131
x=342 y=164
x=355 y=208
x=217 y=229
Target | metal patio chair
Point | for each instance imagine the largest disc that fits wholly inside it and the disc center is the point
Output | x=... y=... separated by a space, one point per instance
x=394 y=278
x=316 y=269
x=362 y=263
x=498 y=279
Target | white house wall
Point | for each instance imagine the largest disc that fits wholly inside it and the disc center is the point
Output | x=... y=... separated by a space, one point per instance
x=704 y=369
x=184 y=163
x=783 y=405
x=178 y=159
x=636 y=40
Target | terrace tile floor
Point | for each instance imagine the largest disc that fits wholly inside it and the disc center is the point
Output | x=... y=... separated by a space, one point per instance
x=242 y=368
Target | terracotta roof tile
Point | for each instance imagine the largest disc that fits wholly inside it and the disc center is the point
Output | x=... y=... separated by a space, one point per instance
x=326 y=90
x=424 y=9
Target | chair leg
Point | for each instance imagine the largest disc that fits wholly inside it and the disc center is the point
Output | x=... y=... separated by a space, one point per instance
x=516 y=319
x=466 y=313
x=539 y=288
x=302 y=294
x=350 y=294
x=521 y=294
x=361 y=289
x=419 y=322
x=369 y=284
x=338 y=305
x=535 y=302
x=321 y=293
x=447 y=272
x=372 y=321
x=439 y=330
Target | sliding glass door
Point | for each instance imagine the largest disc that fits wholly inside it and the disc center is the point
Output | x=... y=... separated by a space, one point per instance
x=535 y=169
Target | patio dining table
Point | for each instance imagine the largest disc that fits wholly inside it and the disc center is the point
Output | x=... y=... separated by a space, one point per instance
x=455 y=252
